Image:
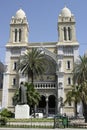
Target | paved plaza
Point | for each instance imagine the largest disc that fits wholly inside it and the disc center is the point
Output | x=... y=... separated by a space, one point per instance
x=39 y=129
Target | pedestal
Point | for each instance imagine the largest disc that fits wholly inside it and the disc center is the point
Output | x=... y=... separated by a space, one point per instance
x=22 y=111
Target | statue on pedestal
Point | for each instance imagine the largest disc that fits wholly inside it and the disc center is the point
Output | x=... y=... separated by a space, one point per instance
x=22 y=94
x=22 y=109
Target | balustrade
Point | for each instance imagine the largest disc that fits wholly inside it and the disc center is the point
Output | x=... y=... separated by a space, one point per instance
x=45 y=85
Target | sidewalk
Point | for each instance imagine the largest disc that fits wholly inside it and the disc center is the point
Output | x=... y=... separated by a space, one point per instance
x=40 y=129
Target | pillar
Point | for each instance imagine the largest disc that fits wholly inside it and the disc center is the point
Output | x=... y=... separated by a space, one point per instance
x=46 y=106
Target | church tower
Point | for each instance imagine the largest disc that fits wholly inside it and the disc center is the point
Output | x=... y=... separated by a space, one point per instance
x=19 y=28
x=68 y=53
x=17 y=45
x=66 y=26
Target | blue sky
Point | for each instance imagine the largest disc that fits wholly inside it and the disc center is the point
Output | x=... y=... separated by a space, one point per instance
x=42 y=17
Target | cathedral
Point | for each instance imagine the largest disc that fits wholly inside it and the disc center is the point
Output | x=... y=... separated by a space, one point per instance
x=57 y=79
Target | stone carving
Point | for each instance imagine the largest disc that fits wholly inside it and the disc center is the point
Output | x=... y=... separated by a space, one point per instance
x=22 y=94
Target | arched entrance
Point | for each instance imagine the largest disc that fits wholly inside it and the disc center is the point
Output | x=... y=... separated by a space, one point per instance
x=42 y=105
x=46 y=84
x=51 y=104
x=47 y=105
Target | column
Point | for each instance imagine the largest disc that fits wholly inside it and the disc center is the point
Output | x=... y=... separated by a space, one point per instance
x=46 y=106
x=57 y=96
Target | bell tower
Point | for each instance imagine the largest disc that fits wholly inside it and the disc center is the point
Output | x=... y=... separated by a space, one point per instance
x=66 y=26
x=67 y=52
x=17 y=45
x=19 y=28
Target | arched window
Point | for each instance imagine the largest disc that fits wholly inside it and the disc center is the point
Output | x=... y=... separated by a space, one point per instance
x=69 y=33
x=68 y=64
x=15 y=66
x=19 y=35
x=69 y=81
x=14 y=81
x=65 y=34
x=15 y=35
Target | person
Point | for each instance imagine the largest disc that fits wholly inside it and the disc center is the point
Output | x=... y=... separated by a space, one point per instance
x=22 y=94
x=65 y=120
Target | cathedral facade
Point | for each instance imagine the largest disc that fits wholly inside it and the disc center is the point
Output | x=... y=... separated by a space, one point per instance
x=57 y=79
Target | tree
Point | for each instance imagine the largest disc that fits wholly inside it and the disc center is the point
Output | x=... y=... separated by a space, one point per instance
x=80 y=70
x=84 y=98
x=32 y=63
x=33 y=97
x=80 y=78
x=75 y=96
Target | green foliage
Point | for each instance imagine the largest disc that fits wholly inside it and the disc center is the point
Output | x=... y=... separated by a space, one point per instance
x=6 y=113
x=39 y=125
x=16 y=98
x=80 y=70
x=31 y=63
x=33 y=120
x=3 y=121
x=33 y=96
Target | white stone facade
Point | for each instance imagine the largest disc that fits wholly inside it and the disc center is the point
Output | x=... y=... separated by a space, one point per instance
x=64 y=53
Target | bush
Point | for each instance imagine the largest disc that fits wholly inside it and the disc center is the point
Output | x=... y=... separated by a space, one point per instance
x=6 y=113
x=3 y=121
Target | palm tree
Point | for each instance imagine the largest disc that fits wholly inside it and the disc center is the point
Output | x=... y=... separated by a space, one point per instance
x=80 y=70
x=74 y=96
x=33 y=97
x=84 y=98
x=32 y=63
x=80 y=78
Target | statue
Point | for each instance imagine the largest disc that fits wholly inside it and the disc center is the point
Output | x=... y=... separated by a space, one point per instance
x=22 y=109
x=22 y=94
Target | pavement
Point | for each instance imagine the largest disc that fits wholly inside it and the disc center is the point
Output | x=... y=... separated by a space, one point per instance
x=41 y=129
